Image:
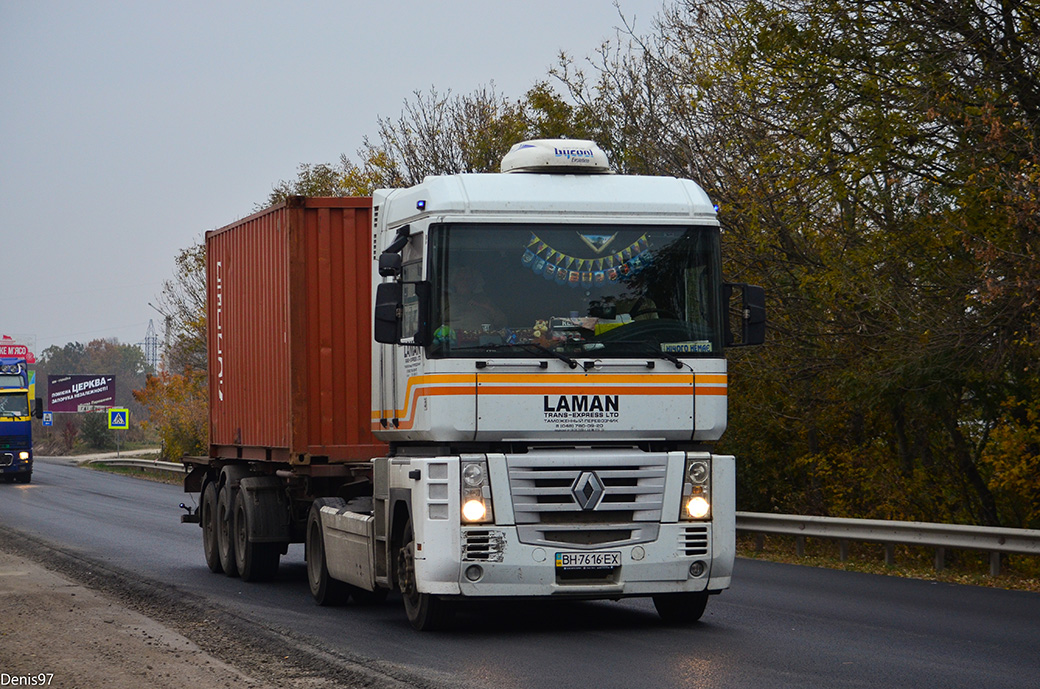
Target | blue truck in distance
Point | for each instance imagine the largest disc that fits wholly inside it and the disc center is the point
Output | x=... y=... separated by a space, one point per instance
x=16 y=411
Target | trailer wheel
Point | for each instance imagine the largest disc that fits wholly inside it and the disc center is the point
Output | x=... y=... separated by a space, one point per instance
x=255 y=561
x=326 y=590
x=681 y=608
x=225 y=535
x=208 y=520
x=426 y=612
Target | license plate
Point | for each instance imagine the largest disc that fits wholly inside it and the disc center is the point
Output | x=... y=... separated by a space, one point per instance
x=603 y=560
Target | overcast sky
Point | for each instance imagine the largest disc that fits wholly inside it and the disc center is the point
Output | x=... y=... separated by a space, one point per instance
x=127 y=129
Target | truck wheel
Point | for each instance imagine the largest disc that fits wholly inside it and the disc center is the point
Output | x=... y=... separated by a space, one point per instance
x=208 y=520
x=426 y=612
x=225 y=535
x=326 y=590
x=24 y=477
x=255 y=561
x=681 y=608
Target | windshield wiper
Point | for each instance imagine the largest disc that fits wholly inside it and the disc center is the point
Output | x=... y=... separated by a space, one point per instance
x=523 y=345
x=651 y=348
x=552 y=352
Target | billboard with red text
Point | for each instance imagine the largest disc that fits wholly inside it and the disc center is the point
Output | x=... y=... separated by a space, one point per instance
x=18 y=346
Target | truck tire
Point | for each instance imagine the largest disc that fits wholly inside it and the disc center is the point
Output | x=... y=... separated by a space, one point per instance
x=255 y=561
x=208 y=521
x=225 y=531
x=326 y=590
x=24 y=477
x=425 y=611
x=681 y=608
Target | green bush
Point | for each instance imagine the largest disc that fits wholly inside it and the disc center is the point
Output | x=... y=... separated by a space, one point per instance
x=95 y=432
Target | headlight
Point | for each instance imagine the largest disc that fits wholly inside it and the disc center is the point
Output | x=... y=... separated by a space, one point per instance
x=696 y=503
x=698 y=471
x=476 y=491
x=698 y=507
x=23 y=455
x=473 y=474
x=474 y=510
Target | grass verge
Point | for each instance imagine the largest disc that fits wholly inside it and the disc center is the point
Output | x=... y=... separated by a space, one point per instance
x=157 y=475
x=1017 y=572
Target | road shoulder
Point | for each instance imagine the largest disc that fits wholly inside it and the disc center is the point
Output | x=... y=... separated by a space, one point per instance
x=58 y=633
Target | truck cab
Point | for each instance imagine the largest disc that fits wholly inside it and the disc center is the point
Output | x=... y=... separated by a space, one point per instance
x=16 y=453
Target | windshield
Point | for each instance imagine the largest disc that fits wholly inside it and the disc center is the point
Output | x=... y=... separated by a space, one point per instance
x=595 y=290
x=14 y=404
x=11 y=380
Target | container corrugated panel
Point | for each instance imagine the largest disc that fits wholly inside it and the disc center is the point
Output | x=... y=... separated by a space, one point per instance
x=290 y=333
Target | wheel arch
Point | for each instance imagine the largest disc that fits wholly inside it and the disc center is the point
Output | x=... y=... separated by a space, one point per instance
x=400 y=515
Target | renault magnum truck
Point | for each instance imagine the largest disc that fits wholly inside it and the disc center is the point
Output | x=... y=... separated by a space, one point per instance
x=485 y=386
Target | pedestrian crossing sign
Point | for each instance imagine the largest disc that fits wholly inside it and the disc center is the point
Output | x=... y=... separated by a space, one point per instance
x=119 y=418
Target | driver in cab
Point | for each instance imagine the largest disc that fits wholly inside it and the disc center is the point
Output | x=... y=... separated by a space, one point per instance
x=469 y=307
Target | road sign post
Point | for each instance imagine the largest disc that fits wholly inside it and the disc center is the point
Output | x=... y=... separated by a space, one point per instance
x=119 y=420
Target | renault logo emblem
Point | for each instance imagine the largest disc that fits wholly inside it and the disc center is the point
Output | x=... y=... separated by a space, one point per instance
x=587 y=490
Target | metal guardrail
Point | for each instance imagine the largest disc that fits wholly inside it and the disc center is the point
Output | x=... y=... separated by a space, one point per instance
x=995 y=540
x=139 y=463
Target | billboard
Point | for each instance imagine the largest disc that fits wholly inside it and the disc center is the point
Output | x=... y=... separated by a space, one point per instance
x=80 y=393
x=20 y=346
x=14 y=350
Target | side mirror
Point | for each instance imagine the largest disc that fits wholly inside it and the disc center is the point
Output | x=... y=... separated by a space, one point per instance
x=389 y=265
x=751 y=318
x=402 y=313
x=388 y=309
x=38 y=408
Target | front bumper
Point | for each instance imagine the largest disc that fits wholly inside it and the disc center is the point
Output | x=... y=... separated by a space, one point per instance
x=11 y=464
x=505 y=559
x=495 y=563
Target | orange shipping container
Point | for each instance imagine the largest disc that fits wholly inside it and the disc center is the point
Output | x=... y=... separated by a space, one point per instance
x=290 y=330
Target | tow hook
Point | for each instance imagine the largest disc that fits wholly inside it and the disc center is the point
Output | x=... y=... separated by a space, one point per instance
x=192 y=516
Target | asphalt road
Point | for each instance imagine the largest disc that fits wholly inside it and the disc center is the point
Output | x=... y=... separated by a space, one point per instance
x=779 y=626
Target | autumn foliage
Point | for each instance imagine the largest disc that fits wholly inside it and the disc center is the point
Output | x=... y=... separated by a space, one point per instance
x=178 y=406
x=877 y=168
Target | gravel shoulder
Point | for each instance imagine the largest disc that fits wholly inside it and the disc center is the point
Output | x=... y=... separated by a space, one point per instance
x=55 y=632
x=73 y=623
x=70 y=621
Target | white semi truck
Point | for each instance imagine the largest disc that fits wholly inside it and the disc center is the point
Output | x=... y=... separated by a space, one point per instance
x=547 y=377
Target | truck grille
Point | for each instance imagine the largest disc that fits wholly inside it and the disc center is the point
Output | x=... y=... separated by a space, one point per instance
x=12 y=442
x=577 y=500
